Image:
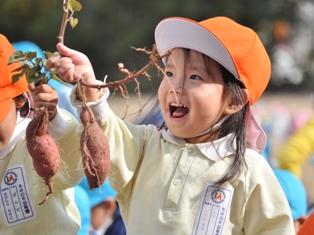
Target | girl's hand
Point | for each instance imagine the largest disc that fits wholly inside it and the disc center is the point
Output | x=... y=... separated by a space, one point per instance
x=73 y=65
x=45 y=96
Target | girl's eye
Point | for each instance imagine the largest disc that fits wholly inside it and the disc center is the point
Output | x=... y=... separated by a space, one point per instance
x=169 y=74
x=196 y=77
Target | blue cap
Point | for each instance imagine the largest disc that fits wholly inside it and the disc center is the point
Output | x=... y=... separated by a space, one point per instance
x=81 y=200
x=26 y=46
x=294 y=191
x=98 y=195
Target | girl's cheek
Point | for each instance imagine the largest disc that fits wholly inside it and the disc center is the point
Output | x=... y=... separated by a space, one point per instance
x=162 y=88
x=160 y=92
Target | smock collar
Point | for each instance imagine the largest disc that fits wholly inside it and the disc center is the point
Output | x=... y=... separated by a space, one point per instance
x=215 y=150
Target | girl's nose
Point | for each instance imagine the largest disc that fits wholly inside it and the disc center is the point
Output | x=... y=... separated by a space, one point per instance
x=177 y=86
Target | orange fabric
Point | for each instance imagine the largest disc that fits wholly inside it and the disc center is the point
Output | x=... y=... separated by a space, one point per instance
x=7 y=89
x=308 y=227
x=244 y=56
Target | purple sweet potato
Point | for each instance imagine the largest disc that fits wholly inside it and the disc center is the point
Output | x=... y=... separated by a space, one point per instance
x=43 y=150
x=94 y=149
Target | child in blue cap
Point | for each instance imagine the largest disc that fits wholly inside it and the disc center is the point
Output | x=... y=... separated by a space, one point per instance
x=296 y=195
x=82 y=202
x=105 y=214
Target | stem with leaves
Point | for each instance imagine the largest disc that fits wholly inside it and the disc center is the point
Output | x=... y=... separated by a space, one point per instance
x=72 y=6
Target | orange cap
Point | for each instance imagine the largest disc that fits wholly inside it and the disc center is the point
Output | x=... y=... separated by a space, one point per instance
x=8 y=90
x=232 y=45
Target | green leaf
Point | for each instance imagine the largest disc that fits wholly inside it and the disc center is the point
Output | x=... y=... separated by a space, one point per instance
x=49 y=54
x=45 y=80
x=55 y=77
x=73 y=22
x=74 y=5
x=16 y=77
x=38 y=60
x=34 y=74
x=44 y=61
x=17 y=54
x=31 y=55
x=17 y=57
x=70 y=8
x=21 y=68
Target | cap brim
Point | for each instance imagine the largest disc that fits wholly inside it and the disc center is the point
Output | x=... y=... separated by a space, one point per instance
x=5 y=107
x=185 y=33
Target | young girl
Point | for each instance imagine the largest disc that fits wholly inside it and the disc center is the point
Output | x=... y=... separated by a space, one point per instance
x=21 y=188
x=204 y=174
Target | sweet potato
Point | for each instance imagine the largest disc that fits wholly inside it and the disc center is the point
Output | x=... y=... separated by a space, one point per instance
x=94 y=149
x=43 y=150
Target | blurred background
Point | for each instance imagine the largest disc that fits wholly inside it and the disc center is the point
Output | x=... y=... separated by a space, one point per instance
x=108 y=29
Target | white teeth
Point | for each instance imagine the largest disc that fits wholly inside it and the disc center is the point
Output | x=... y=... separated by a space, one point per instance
x=177 y=105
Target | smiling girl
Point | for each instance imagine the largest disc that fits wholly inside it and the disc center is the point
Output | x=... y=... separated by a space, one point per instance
x=204 y=174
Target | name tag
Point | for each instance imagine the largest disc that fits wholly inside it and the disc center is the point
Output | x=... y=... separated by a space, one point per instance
x=17 y=206
x=213 y=211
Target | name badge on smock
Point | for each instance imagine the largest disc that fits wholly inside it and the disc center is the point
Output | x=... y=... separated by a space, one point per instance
x=17 y=206
x=213 y=211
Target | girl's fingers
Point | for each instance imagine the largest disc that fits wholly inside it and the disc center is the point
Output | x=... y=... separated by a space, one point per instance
x=65 y=51
x=43 y=88
x=44 y=95
x=51 y=61
x=62 y=64
x=71 y=65
x=45 y=98
x=65 y=71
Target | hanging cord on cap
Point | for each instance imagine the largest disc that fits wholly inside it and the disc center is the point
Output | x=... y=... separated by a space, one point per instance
x=214 y=126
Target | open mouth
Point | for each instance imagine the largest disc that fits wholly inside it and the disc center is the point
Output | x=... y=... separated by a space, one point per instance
x=178 y=110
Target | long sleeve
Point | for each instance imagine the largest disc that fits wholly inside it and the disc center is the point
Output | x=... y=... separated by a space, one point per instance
x=71 y=169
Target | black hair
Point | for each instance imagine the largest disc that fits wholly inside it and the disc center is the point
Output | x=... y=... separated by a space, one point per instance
x=235 y=124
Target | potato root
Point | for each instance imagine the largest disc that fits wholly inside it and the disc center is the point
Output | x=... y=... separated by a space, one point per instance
x=94 y=149
x=43 y=150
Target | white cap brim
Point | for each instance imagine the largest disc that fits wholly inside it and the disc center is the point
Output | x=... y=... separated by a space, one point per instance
x=176 y=32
